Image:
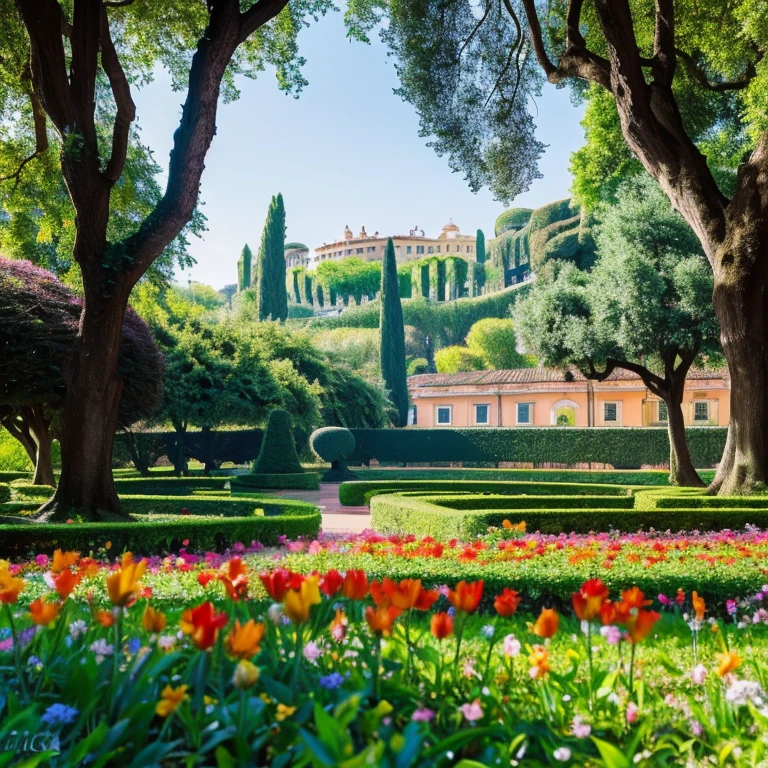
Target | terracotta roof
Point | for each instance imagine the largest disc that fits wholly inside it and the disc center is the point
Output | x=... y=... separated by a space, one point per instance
x=536 y=376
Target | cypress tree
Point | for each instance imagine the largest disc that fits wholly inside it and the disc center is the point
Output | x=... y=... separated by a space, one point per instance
x=244 y=265
x=272 y=297
x=480 y=247
x=392 y=337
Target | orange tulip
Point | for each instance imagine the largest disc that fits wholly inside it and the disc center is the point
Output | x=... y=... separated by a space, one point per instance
x=640 y=624
x=65 y=583
x=43 y=613
x=380 y=620
x=467 y=595
x=699 y=606
x=441 y=625
x=403 y=595
x=235 y=579
x=588 y=601
x=105 y=618
x=63 y=560
x=244 y=640
x=153 y=621
x=123 y=584
x=608 y=612
x=10 y=586
x=729 y=661
x=203 y=625
x=355 y=584
x=547 y=624
x=634 y=598
x=427 y=598
x=170 y=700
x=507 y=602
x=539 y=661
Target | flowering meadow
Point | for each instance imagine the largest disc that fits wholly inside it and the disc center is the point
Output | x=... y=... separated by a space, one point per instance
x=262 y=658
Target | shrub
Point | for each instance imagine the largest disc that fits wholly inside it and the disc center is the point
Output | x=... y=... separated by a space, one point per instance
x=278 y=451
x=167 y=486
x=514 y=218
x=5 y=493
x=300 y=481
x=334 y=445
x=625 y=448
x=13 y=457
x=232 y=506
x=353 y=494
x=694 y=498
x=32 y=491
x=418 y=365
x=421 y=517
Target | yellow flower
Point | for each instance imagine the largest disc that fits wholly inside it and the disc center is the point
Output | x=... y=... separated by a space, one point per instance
x=728 y=663
x=298 y=602
x=244 y=641
x=123 y=583
x=63 y=560
x=10 y=586
x=246 y=675
x=152 y=620
x=171 y=699
x=283 y=711
x=572 y=654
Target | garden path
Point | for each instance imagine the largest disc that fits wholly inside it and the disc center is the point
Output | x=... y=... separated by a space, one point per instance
x=336 y=517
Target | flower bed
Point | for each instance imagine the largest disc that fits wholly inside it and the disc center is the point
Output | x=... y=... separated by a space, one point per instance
x=340 y=669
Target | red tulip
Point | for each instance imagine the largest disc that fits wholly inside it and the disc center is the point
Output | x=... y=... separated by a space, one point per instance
x=467 y=595
x=507 y=602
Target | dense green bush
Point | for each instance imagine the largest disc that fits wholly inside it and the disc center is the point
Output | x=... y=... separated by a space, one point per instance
x=30 y=491
x=421 y=517
x=334 y=445
x=624 y=448
x=5 y=493
x=13 y=457
x=234 y=506
x=473 y=501
x=694 y=498
x=11 y=475
x=650 y=477
x=278 y=451
x=167 y=486
x=298 y=481
x=354 y=494
x=513 y=218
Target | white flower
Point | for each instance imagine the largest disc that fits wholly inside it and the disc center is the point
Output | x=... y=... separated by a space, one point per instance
x=102 y=649
x=511 y=646
x=742 y=692
x=488 y=631
x=562 y=754
x=275 y=613
x=166 y=642
x=699 y=674
x=77 y=628
x=312 y=652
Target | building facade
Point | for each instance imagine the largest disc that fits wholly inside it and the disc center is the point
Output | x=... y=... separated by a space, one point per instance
x=414 y=245
x=541 y=397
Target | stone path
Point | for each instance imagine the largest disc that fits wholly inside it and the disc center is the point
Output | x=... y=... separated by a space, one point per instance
x=336 y=518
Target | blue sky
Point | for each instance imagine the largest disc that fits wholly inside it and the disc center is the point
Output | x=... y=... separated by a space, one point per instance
x=346 y=152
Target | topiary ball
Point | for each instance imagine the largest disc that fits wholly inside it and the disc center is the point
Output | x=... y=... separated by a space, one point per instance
x=332 y=444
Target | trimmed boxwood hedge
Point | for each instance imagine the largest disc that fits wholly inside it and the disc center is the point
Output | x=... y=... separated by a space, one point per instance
x=650 y=477
x=7 y=476
x=695 y=498
x=5 y=492
x=622 y=447
x=214 y=506
x=147 y=537
x=33 y=491
x=168 y=486
x=409 y=515
x=299 y=481
x=488 y=501
x=355 y=493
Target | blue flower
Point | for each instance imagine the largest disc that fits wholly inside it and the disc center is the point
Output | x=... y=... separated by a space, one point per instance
x=59 y=714
x=134 y=644
x=332 y=681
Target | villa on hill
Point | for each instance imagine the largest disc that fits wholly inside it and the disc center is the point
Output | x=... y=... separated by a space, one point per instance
x=543 y=397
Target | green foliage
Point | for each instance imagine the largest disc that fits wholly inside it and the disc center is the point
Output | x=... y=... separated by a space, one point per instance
x=495 y=341
x=417 y=365
x=244 y=267
x=629 y=447
x=278 y=449
x=13 y=457
x=299 y=481
x=167 y=486
x=5 y=492
x=457 y=359
x=356 y=348
x=332 y=443
x=272 y=297
x=350 y=278
x=514 y=218
x=392 y=335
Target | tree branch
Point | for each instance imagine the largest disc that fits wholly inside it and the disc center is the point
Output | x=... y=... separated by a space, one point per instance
x=86 y=26
x=664 y=59
x=696 y=70
x=258 y=15
x=121 y=91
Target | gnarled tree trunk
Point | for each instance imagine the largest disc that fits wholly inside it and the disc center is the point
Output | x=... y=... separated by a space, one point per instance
x=40 y=430
x=681 y=469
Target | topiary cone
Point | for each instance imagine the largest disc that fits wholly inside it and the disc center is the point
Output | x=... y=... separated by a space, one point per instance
x=278 y=450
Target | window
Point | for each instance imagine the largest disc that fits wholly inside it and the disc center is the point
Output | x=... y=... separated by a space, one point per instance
x=371 y=249
x=438 y=249
x=482 y=413
x=408 y=248
x=419 y=249
x=447 y=248
x=611 y=413
x=444 y=414
x=701 y=410
x=663 y=414
x=469 y=249
x=429 y=249
x=359 y=250
x=525 y=413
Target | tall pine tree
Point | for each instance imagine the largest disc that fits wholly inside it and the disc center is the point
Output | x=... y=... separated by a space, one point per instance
x=480 y=246
x=478 y=268
x=272 y=296
x=392 y=334
x=244 y=265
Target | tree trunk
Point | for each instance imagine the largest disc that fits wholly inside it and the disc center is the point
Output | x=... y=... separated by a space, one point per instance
x=681 y=469
x=740 y=303
x=19 y=430
x=40 y=430
x=86 y=486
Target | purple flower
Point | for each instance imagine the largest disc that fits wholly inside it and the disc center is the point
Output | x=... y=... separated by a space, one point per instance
x=332 y=681
x=731 y=607
x=422 y=715
x=664 y=600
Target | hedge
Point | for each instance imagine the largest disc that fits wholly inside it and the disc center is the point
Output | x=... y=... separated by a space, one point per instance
x=651 y=477
x=695 y=498
x=621 y=447
x=487 y=501
x=354 y=493
x=5 y=492
x=402 y=515
x=214 y=506
x=32 y=491
x=7 y=476
x=144 y=537
x=168 y=486
x=301 y=481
